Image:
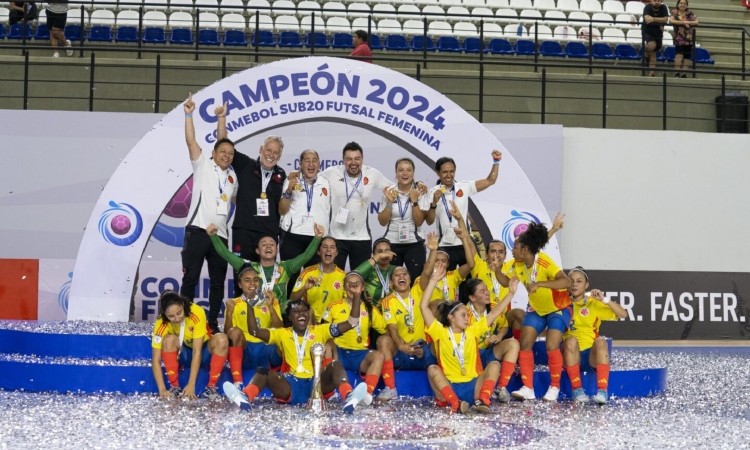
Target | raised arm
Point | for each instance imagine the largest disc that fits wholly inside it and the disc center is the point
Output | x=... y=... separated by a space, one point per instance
x=193 y=147
x=502 y=304
x=463 y=233
x=252 y=326
x=350 y=322
x=416 y=211
x=424 y=302
x=235 y=261
x=296 y=263
x=615 y=307
x=431 y=243
x=385 y=215
x=221 y=124
x=557 y=225
x=429 y=216
x=492 y=177
x=273 y=305
x=285 y=203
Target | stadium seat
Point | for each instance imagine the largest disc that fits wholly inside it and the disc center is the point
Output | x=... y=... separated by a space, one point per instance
x=551 y=48
x=433 y=12
x=342 y=40
x=614 y=35
x=544 y=5
x=42 y=33
x=266 y=38
x=602 y=20
x=513 y=31
x=465 y=30
x=613 y=7
x=626 y=21
x=506 y=16
x=72 y=32
x=389 y=26
x=126 y=34
x=103 y=17
x=260 y=6
x=702 y=56
x=492 y=30
x=127 y=19
x=375 y=43
x=283 y=8
x=305 y=8
x=321 y=40
x=669 y=54
x=235 y=38
x=544 y=33
x=567 y=5
x=579 y=19
x=439 y=28
x=576 y=50
x=409 y=11
x=555 y=18
x=209 y=21
x=16 y=31
x=207 y=5
x=600 y=50
x=396 y=42
x=525 y=47
x=74 y=16
x=458 y=13
x=154 y=36
x=472 y=45
x=384 y=11
x=448 y=44
x=635 y=8
x=482 y=13
x=448 y=3
x=156 y=19
x=208 y=37
x=100 y=33
x=474 y=3
x=236 y=22
x=565 y=33
x=181 y=5
x=338 y=25
x=358 y=10
x=334 y=9
x=521 y=4
x=413 y=27
x=98 y=5
x=181 y=36
x=626 y=52
x=530 y=16
x=181 y=19
x=496 y=4
x=306 y=24
x=417 y=44
x=634 y=37
x=290 y=39
x=360 y=23
x=286 y=23
x=499 y=46
x=591 y=6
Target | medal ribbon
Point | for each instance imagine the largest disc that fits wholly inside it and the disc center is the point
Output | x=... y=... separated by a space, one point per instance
x=309 y=192
x=445 y=288
x=218 y=179
x=266 y=178
x=458 y=349
x=182 y=335
x=300 y=348
x=266 y=285
x=356 y=185
x=410 y=308
x=445 y=203
x=383 y=281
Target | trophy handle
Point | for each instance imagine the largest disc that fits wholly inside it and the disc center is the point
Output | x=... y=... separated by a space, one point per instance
x=316 y=401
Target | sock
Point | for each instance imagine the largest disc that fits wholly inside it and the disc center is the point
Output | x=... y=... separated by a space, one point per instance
x=371 y=381
x=506 y=371
x=484 y=393
x=602 y=376
x=555 y=367
x=574 y=373
x=325 y=362
x=526 y=362
x=214 y=370
x=450 y=397
x=172 y=366
x=345 y=389
x=251 y=391
x=235 y=363
x=517 y=335
x=389 y=378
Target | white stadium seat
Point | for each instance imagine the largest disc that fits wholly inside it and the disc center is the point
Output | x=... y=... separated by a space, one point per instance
x=635 y=8
x=439 y=28
x=544 y=33
x=476 y=14
x=492 y=30
x=383 y=11
x=127 y=18
x=306 y=24
x=334 y=9
x=602 y=20
x=103 y=17
x=512 y=31
x=634 y=37
x=237 y=22
x=465 y=29
x=613 y=7
x=338 y=25
x=264 y=21
x=413 y=27
x=180 y=19
x=389 y=26
x=458 y=13
x=156 y=19
x=209 y=20
x=565 y=33
x=286 y=23
x=579 y=19
x=358 y=10
x=529 y=16
x=614 y=35
x=283 y=8
x=506 y=16
x=306 y=8
x=521 y=4
x=567 y=5
x=545 y=5
x=591 y=6
x=559 y=15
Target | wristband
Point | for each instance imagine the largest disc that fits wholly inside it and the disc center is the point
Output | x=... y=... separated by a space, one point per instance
x=432 y=206
x=415 y=204
x=189 y=115
x=496 y=162
x=606 y=300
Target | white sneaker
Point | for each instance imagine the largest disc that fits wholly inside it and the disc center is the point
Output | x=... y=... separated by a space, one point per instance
x=55 y=55
x=525 y=393
x=552 y=394
x=238 y=397
x=579 y=396
x=68 y=48
x=501 y=395
x=357 y=395
x=387 y=394
x=239 y=385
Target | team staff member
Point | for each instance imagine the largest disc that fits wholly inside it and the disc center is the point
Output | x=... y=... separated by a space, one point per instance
x=549 y=307
x=261 y=181
x=583 y=349
x=655 y=16
x=377 y=270
x=274 y=276
x=361 y=46
x=402 y=212
x=321 y=284
x=214 y=186
x=179 y=334
x=295 y=384
x=247 y=351
x=449 y=190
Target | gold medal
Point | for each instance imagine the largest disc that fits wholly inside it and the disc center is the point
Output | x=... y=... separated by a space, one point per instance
x=263 y=195
x=411 y=330
x=463 y=371
x=359 y=339
x=297 y=187
x=442 y=189
x=224 y=197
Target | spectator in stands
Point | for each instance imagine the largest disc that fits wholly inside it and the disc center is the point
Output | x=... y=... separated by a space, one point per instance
x=683 y=20
x=655 y=16
x=22 y=11
x=361 y=47
x=57 y=16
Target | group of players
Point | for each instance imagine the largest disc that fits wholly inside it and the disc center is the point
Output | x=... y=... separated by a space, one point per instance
x=422 y=301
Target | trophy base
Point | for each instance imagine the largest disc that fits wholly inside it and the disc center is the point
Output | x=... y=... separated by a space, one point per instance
x=316 y=404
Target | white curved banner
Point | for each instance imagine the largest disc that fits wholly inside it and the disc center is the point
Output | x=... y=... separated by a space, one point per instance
x=417 y=120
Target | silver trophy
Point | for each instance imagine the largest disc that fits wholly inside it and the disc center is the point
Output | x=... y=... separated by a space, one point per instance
x=316 y=402
x=258 y=300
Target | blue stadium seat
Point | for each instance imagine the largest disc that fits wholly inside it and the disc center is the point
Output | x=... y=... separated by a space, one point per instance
x=525 y=47
x=601 y=50
x=659 y=55
x=342 y=40
x=100 y=33
x=126 y=34
x=417 y=44
x=266 y=39
x=448 y=44
x=321 y=40
x=181 y=36
x=208 y=37
x=396 y=42
x=669 y=54
x=154 y=36
x=73 y=33
x=702 y=56
x=375 y=43
x=16 y=31
x=500 y=46
x=42 y=33
x=576 y=50
x=471 y=45
x=235 y=38
x=550 y=48
x=2 y=31
x=626 y=52
x=290 y=39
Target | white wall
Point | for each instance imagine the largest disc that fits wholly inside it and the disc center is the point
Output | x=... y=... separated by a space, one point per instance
x=656 y=200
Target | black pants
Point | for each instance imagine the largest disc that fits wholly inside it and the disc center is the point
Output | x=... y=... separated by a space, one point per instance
x=456 y=254
x=356 y=251
x=413 y=256
x=293 y=245
x=245 y=243
x=196 y=248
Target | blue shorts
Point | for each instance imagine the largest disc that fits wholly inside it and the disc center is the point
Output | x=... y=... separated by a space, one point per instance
x=301 y=388
x=402 y=361
x=352 y=359
x=487 y=355
x=465 y=391
x=558 y=320
x=186 y=357
x=258 y=354
x=584 y=364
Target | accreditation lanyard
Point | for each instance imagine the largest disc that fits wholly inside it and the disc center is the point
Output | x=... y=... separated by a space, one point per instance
x=495 y=284
x=445 y=203
x=408 y=307
x=477 y=318
x=266 y=285
x=531 y=276
x=402 y=210
x=458 y=349
x=222 y=186
x=266 y=178
x=445 y=288
x=309 y=192
x=300 y=348
x=384 y=281
x=347 y=180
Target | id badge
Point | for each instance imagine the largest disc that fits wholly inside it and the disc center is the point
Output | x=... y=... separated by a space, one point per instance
x=261 y=206
x=408 y=321
x=341 y=215
x=449 y=234
x=306 y=224
x=222 y=207
x=403 y=233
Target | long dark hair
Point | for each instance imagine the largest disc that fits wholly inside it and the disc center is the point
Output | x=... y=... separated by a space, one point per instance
x=444 y=309
x=169 y=298
x=467 y=288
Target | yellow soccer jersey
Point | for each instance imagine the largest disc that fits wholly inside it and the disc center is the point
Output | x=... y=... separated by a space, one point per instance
x=394 y=312
x=284 y=338
x=195 y=328
x=262 y=317
x=448 y=361
x=500 y=322
x=453 y=279
x=482 y=271
x=339 y=312
x=587 y=317
x=330 y=290
x=544 y=301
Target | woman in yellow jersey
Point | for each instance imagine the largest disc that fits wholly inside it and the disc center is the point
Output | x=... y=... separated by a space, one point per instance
x=353 y=347
x=323 y=283
x=376 y=271
x=583 y=349
x=492 y=347
x=246 y=351
x=460 y=379
x=294 y=384
x=179 y=334
x=549 y=307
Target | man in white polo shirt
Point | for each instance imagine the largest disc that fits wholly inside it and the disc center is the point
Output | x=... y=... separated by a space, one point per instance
x=214 y=186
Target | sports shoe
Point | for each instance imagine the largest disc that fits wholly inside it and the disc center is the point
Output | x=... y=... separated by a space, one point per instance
x=462 y=407
x=579 y=396
x=525 y=393
x=357 y=395
x=552 y=394
x=176 y=391
x=68 y=48
x=55 y=55
x=236 y=396
x=239 y=385
x=214 y=325
x=387 y=394
x=480 y=407
x=501 y=395
x=601 y=397
x=367 y=401
x=211 y=394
